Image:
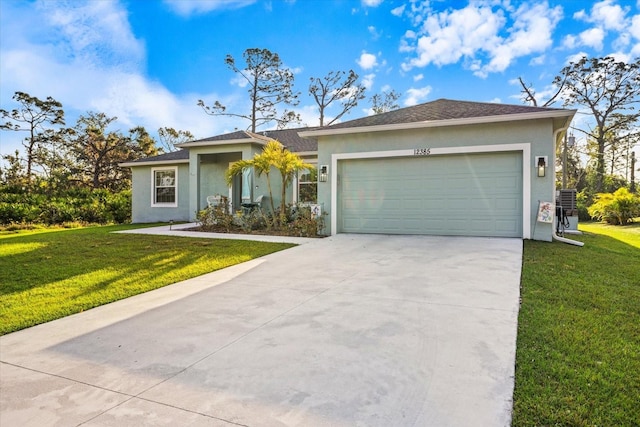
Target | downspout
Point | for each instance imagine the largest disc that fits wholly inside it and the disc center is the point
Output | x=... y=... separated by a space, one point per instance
x=553 y=229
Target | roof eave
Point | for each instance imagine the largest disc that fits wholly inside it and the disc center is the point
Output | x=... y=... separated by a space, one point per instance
x=442 y=123
x=153 y=163
x=221 y=142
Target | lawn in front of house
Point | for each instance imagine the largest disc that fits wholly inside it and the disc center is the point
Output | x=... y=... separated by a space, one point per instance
x=578 y=346
x=51 y=274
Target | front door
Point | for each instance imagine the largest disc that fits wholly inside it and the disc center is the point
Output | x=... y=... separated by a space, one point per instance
x=240 y=191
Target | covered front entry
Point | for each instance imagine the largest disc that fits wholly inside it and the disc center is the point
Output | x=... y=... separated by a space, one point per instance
x=476 y=194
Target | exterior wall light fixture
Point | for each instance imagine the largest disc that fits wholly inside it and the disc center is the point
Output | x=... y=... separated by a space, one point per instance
x=324 y=173
x=541 y=165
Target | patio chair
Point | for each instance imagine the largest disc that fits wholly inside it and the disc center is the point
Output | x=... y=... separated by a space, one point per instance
x=255 y=205
x=213 y=201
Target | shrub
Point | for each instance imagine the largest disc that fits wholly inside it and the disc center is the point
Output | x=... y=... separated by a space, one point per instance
x=69 y=206
x=618 y=208
x=582 y=202
x=119 y=204
x=302 y=223
x=216 y=217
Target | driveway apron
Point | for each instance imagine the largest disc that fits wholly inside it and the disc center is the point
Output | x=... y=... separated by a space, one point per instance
x=350 y=330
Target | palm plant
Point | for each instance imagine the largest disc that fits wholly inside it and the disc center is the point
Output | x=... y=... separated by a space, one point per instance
x=273 y=155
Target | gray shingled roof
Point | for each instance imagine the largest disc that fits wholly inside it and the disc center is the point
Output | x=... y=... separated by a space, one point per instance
x=287 y=137
x=441 y=109
x=290 y=139
x=166 y=157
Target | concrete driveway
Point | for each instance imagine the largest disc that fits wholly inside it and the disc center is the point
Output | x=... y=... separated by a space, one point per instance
x=344 y=331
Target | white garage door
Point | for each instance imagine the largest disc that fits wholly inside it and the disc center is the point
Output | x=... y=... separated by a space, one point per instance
x=459 y=195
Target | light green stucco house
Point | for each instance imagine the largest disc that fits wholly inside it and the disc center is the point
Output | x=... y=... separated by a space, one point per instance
x=444 y=168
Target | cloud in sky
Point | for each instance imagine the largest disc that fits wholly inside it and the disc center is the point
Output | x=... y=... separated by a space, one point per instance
x=605 y=14
x=371 y=3
x=192 y=7
x=479 y=35
x=367 y=61
x=416 y=96
x=608 y=17
x=86 y=55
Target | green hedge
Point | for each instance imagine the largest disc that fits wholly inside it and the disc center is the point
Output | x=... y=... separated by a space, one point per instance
x=76 y=205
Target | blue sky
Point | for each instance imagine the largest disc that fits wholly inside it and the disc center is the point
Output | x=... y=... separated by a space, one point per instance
x=148 y=62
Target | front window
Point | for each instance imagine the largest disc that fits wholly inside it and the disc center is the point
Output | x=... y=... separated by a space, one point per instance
x=165 y=187
x=308 y=186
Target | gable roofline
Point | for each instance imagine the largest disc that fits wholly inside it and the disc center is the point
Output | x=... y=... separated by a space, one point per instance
x=239 y=137
x=170 y=158
x=153 y=163
x=440 y=113
x=442 y=123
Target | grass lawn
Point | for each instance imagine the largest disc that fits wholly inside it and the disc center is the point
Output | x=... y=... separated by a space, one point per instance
x=45 y=275
x=578 y=348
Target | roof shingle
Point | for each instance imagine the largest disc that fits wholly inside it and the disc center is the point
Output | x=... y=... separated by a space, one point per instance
x=441 y=109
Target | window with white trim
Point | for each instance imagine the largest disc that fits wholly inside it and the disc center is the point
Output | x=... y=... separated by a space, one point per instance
x=308 y=186
x=164 y=191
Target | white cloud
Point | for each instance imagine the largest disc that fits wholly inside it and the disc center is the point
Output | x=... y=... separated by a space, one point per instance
x=367 y=80
x=375 y=35
x=416 y=96
x=608 y=15
x=85 y=55
x=570 y=41
x=418 y=77
x=478 y=33
x=310 y=116
x=580 y=15
x=607 y=18
x=371 y=3
x=398 y=11
x=538 y=60
x=576 y=57
x=367 y=61
x=448 y=36
x=593 y=37
x=191 y=7
x=530 y=33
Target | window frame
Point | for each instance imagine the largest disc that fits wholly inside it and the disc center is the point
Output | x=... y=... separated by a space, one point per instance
x=300 y=182
x=155 y=204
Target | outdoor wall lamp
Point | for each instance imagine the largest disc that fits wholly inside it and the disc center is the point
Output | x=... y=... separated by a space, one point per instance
x=541 y=164
x=324 y=173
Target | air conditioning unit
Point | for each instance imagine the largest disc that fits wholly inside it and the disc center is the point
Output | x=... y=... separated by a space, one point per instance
x=567 y=210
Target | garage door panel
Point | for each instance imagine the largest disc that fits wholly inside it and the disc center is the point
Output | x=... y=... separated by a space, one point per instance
x=507 y=226
x=478 y=194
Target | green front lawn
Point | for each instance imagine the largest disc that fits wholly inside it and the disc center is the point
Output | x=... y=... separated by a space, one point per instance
x=578 y=347
x=52 y=274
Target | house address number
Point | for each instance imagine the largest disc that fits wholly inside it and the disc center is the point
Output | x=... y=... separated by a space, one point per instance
x=421 y=151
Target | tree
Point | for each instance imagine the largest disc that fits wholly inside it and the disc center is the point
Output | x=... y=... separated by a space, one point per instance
x=529 y=93
x=336 y=87
x=384 y=102
x=14 y=174
x=169 y=137
x=143 y=144
x=609 y=89
x=269 y=86
x=32 y=116
x=274 y=155
x=98 y=152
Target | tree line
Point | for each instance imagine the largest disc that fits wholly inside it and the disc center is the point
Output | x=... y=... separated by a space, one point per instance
x=86 y=155
x=609 y=91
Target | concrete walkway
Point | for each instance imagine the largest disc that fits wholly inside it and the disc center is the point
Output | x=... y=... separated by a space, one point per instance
x=343 y=331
